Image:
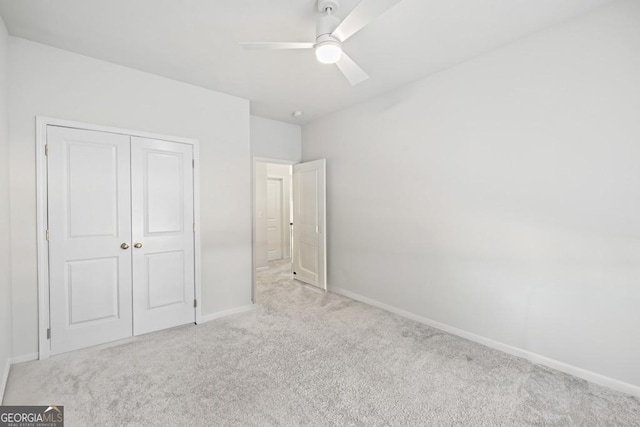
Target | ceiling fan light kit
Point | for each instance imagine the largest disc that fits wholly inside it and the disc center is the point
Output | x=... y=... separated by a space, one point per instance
x=331 y=33
x=328 y=51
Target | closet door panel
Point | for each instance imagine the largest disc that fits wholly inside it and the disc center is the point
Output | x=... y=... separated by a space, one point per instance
x=162 y=218
x=89 y=220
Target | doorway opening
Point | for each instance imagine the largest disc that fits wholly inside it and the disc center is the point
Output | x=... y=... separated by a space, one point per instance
x=273 y=214
x=289 y=222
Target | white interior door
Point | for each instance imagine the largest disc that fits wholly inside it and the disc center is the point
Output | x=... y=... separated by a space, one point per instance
x=89 y=234
x=274 y=218
x=309 y=223
x=163 y=224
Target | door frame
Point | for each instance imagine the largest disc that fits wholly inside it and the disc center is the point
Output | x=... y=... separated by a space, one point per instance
x=44 y=349
x=254 y=161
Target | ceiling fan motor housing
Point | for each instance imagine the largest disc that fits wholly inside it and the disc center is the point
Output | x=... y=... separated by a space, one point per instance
x=326 y=25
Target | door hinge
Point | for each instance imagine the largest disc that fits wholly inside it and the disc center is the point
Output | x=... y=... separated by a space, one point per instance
x=195 y=303
x=47 y=234
x=194 y=226
x=193 y=163
x=46 y=149
x=49 y=333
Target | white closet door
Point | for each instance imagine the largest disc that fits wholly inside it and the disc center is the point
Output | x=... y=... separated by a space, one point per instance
x=163 y=251
x=89 y=219
x=309 y=223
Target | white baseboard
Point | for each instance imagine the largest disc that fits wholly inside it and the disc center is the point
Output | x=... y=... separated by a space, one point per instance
x=5 y=377
x=217 y=315
x=262 y=268
x=525 y=354
x=25 y=358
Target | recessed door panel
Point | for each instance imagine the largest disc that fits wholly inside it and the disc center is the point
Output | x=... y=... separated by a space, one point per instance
x=92 y=286
x=89 y=215
x=308 y=180
x=164 y=188
x=309 y=236
x=165 y=279
x=92 y=171
x=162 y=218
x=309 y=258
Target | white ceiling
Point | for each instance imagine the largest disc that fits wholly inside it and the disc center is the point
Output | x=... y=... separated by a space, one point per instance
x=196 y=41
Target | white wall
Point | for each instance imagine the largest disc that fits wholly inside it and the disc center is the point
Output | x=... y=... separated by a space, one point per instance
x=275 y=140
x=502 y=196
x=5 y=232
x=51 y=82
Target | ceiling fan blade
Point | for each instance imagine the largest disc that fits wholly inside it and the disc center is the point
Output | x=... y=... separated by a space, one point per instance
x=276 y=45
x=351 y=70
x=362 y=15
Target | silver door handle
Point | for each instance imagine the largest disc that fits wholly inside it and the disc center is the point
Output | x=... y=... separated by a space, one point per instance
x=124 y=246
x=137 y=245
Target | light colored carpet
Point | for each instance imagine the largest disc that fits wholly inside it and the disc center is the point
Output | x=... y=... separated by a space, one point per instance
x=308 y=358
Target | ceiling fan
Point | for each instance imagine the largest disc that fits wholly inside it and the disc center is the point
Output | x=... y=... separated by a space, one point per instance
x=331 y=33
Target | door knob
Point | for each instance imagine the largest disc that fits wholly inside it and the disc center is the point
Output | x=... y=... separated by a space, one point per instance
x=124 y=246
x=137 y=245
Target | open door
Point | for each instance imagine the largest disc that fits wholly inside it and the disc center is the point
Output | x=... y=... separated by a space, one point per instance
x=309 y=223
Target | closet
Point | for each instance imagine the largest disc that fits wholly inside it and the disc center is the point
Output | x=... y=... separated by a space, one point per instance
x=120 y=236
